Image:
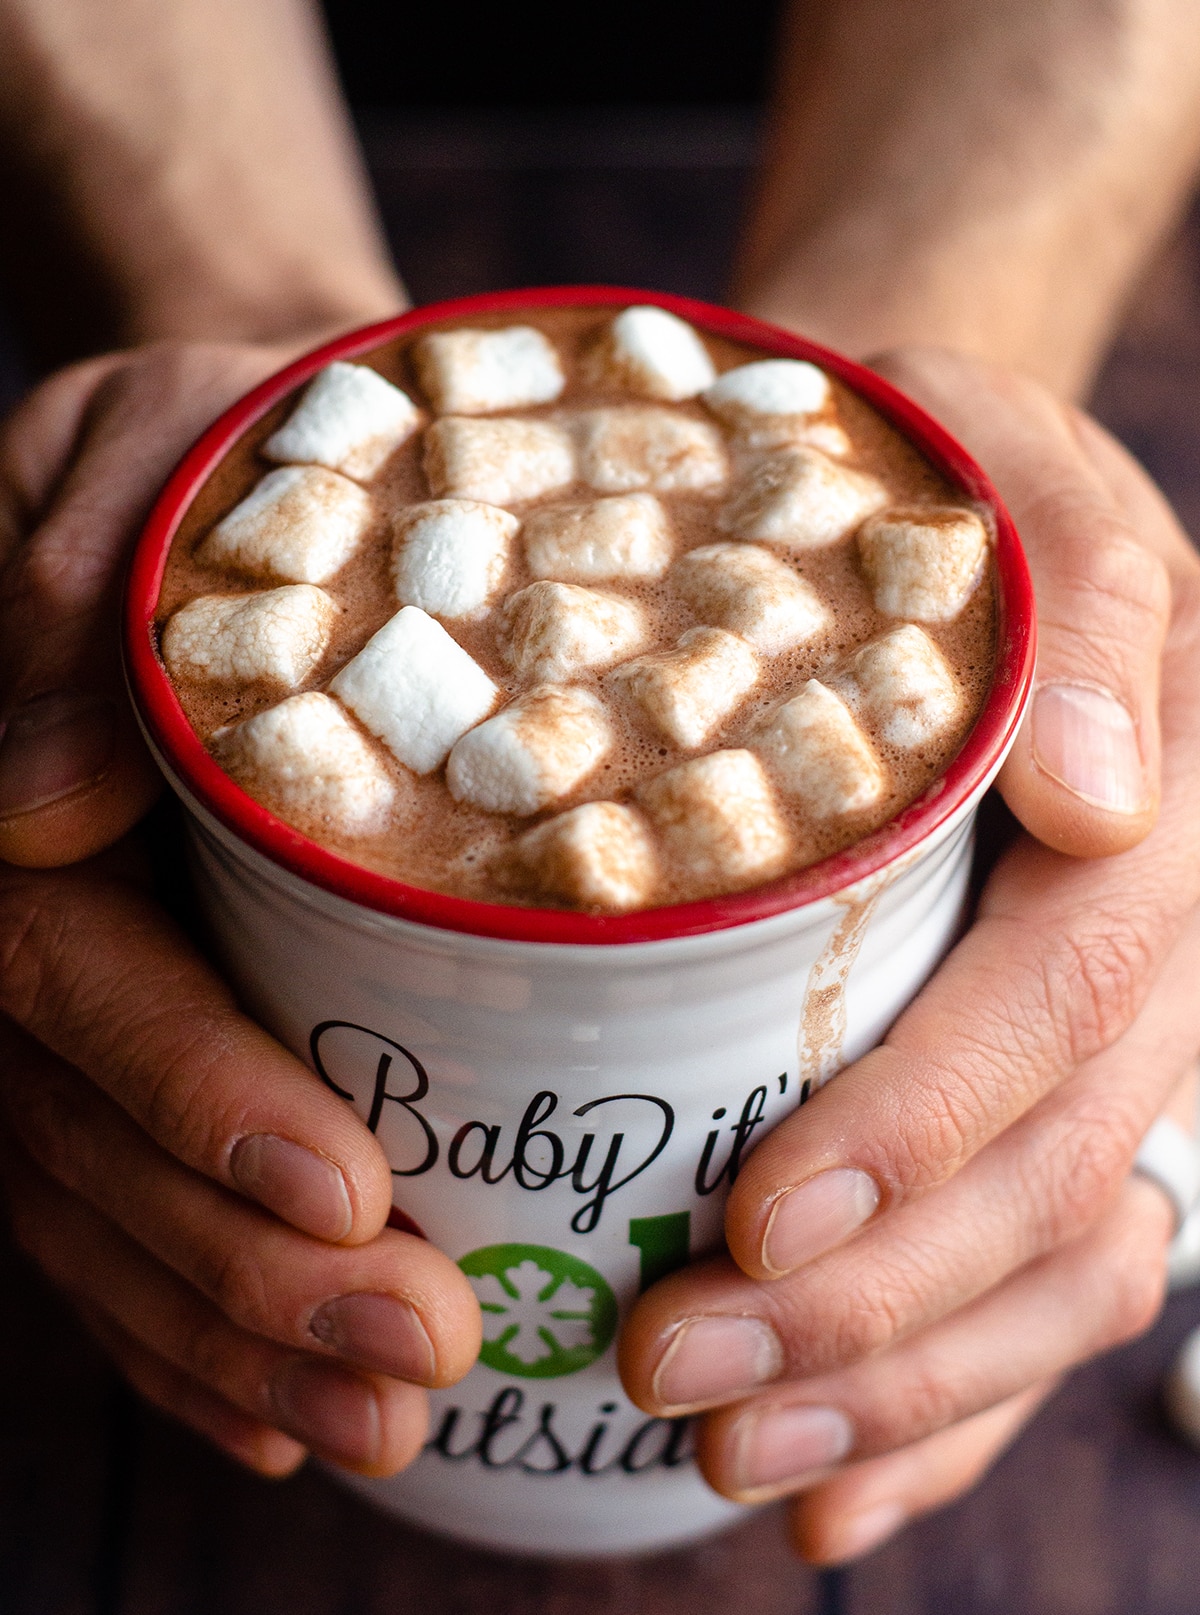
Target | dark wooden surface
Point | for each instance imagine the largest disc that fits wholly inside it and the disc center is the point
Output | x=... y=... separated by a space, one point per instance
x=107 y=1509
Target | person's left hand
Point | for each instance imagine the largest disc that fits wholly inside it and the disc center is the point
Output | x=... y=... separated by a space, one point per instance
x=919 y=1253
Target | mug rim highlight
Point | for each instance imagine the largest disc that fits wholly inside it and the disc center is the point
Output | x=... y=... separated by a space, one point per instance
x=161 y=713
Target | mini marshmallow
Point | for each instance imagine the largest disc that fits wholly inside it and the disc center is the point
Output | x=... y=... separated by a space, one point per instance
x=305 y=758
x=654 y=354
x=475 y=372
x=902 y=683
x=416 y=688
x=554 y=630
x=594 y=856
x=450 y=555
x=277 y=637
x=349 y=419
x=752 y=593
x=800 y=498
x=819 y=755
x=923 y=563
x=769 y=403
x=532 y=754
x=718 y=822
x=628 y=536
x=301 y=523
x=688 y=692
x=500 y=462
x=637 y=446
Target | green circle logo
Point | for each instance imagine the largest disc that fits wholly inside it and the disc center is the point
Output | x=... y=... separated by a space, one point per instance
x=544 y=1313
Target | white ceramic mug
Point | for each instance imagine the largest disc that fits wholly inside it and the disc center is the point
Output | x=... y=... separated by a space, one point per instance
x=565 y=1099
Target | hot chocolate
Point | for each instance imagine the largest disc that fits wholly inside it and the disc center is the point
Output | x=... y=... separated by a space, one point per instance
x=572 y=610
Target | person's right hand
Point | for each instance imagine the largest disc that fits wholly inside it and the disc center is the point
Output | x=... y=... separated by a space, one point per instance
x=216 y=1215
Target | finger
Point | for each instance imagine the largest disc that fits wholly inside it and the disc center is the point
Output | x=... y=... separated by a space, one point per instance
x=395 y=1306
x=74 y=774
x=864 y=1505
x=94 y=971
x=1095 y=1293
x=1083 y=774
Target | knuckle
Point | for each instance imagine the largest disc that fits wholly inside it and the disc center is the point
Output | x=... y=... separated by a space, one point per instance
x=32 y=929
x=1094 y=982
x=1136 y=1295
x=235 y=1279
x=1088 y=1169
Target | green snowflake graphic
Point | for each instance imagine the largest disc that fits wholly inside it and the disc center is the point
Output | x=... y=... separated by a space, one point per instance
x=544 y=1313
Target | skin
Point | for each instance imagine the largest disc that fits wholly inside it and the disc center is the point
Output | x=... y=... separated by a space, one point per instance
x=123 y=1128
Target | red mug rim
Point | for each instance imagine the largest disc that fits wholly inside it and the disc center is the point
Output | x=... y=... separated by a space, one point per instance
x=168 y=728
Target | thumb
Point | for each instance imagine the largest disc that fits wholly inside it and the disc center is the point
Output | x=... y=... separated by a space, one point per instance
x=82 y=461
x=1083 y=775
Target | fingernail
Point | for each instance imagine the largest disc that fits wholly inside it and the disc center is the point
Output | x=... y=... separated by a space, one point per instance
x=784 y=1445
x=813 y=1218
x=862 y=1532
x=296 y=1183
x=51 y=746
x=711 y=1358
x=1086 y=740
x=328 y=1409
x=379 y=1332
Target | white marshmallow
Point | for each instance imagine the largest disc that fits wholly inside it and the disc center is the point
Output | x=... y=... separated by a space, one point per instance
x=450 y=555
x=654 y=354
x=306 y=759
x=277 y=637
x=349 y=419
x=532 y=754
x=302 y=523
x=901 y=683
x=554 y=630
x=416 y=688
x=688 y=692
x=628 y=536
x=718 y=822
x=819 y=755
x=923 y=563
x=752 y=593
x=594 y=856
x=500 y=462
x=637 y=446
x=800 y=498
x=474 y=372
x=770 y=403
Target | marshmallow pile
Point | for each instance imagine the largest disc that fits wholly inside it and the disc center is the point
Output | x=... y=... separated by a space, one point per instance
x=553 y=535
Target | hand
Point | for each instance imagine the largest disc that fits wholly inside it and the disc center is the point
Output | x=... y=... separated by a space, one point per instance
x=215 y=1213
x=919 y=1253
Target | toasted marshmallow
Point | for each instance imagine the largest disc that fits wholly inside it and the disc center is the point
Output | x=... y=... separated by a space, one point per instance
x=416 y=688
x=594 y=856
x=819 y=755
x=532 y=754
x=450 y=555
x=637 y=446
x=770 y=403
x=801 y=499
x=554 y=630
x=628 y=536
x=752 y=593
x=654 y=354
x=349 y=419
x=476 y=372
x=276 y=638
x=688 y=692
x=500 y=462
x=301 y=523
x=717 y=821
x=902 y=684
x=923 y=563
x=305 y=758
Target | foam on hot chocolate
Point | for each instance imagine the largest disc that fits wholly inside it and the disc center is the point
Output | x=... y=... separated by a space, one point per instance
x=579 y=608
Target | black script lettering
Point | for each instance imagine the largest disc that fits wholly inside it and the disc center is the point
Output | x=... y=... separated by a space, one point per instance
x=487 y=1154
x=386 y=1051
x=589 y=1214
x=445 y=1435
x=586 y=1460
x=506 y=1409
x=634 y=1460
x=751 y=1116
x=541 y=1106
x=560 y=1458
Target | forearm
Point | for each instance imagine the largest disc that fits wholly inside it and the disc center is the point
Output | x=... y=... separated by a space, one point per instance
x=990 y=177
x=201 y=156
